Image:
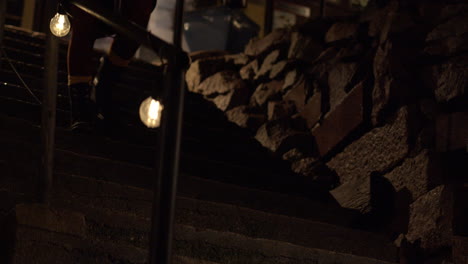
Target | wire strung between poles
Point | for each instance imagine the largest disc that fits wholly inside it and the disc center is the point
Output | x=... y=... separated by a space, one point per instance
x=19 y=76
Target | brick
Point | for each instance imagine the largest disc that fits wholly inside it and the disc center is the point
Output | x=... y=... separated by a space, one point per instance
x=378 y=150
x=431 y=218
x=339 y=123
x=418 y=174
x=452 y=131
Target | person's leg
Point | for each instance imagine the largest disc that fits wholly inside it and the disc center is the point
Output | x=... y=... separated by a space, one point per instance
x=122 y=50
x=80 y=68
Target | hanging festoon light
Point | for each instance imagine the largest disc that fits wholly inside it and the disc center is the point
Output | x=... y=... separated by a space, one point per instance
x=60 y=24
x=150 y=112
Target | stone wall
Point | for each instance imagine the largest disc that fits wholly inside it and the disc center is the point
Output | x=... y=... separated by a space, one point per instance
x=380 y=100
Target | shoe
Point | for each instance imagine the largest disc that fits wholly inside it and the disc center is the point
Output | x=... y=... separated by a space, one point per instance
x=83 y=109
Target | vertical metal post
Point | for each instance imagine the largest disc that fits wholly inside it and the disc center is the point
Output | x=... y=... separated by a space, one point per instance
x=269 y=9
x=167 y=165
x=49 y=103
x=322 y=8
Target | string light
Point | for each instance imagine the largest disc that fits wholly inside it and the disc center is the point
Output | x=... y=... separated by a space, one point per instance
x=60 y=25
x=150 y=112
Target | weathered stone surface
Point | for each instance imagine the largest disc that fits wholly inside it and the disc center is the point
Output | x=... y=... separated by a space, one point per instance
x=202 y=69
x=244 y=117
x=338 y=79
x=277 y=39
x=378 y=150
x=448 y=46
x=388 y=21
x=297 y=95
x=454 y=27
x=418 y=175
x=341 y=121
x=355 y=194
x=452 y=131
x=293 y=155
x=340 y=31
x=303 y=47
x=249 y=71
x=226 y=89
x=266 y=92
x=431 y=219
x=460 y=250
x=267 y=64
x=448 y=38
x=279 y=136
x=40 y=216
x=291 y=78
x=312 y=110
x=280 y=109
x=239 y=59
x=450 y=79
x=278 y=70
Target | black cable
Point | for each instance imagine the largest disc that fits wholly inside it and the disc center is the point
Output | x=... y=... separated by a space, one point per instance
x=19 y=76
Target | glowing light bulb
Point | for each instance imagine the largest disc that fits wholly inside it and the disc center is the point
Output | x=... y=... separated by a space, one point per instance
x=60 y=25
x=150 y=112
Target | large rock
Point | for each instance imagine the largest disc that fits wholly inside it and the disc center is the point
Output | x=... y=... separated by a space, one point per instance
x=280 y=109
x=341 y=121
x=312 y=111
x=378 y=150
x=339 y=79
x=450 y=79
x=239 y=59
x=292 y=77
x=340 y=31
x=418 y=175
x=431 y=219
x=226 y=89
x=354 y=194
x=267 y=65
x=279 y=38
x=297 y=94
x=249 y=71
x=279 y=69
x=452 y=131
x=303 y=47
x=244 y=117
x=279 y=136
x=202 y=69
x=266 y=92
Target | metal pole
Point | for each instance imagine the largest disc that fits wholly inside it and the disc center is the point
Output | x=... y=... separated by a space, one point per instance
x=49 y=103
x=269 y=9
x=169 y=152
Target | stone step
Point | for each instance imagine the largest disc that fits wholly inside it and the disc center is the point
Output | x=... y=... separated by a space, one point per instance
x=191 y=241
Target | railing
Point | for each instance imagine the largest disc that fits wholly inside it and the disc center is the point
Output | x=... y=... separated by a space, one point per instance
x=168 y=154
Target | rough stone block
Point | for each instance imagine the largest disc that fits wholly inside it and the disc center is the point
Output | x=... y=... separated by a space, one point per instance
x=340 y=31
x=279 y=69
x=291 y=79
x=267 y=65
x=354 y=194
x=339 y=79
x=341 y=121
x=297 y=95
x=202 y=69
x=418 y=174
x=277 y=39
x=239 y=59
x=43 y=217
x=280 y=109
x=431 y=219
x=312 y=110
x=249 y=71
x=454 y=27
x=266 y=92
x=378 y=150
x=450 y=79
x=243 y=117
x=452 y=131
x=226 y=89
x=303 y=47
x=279 y=136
